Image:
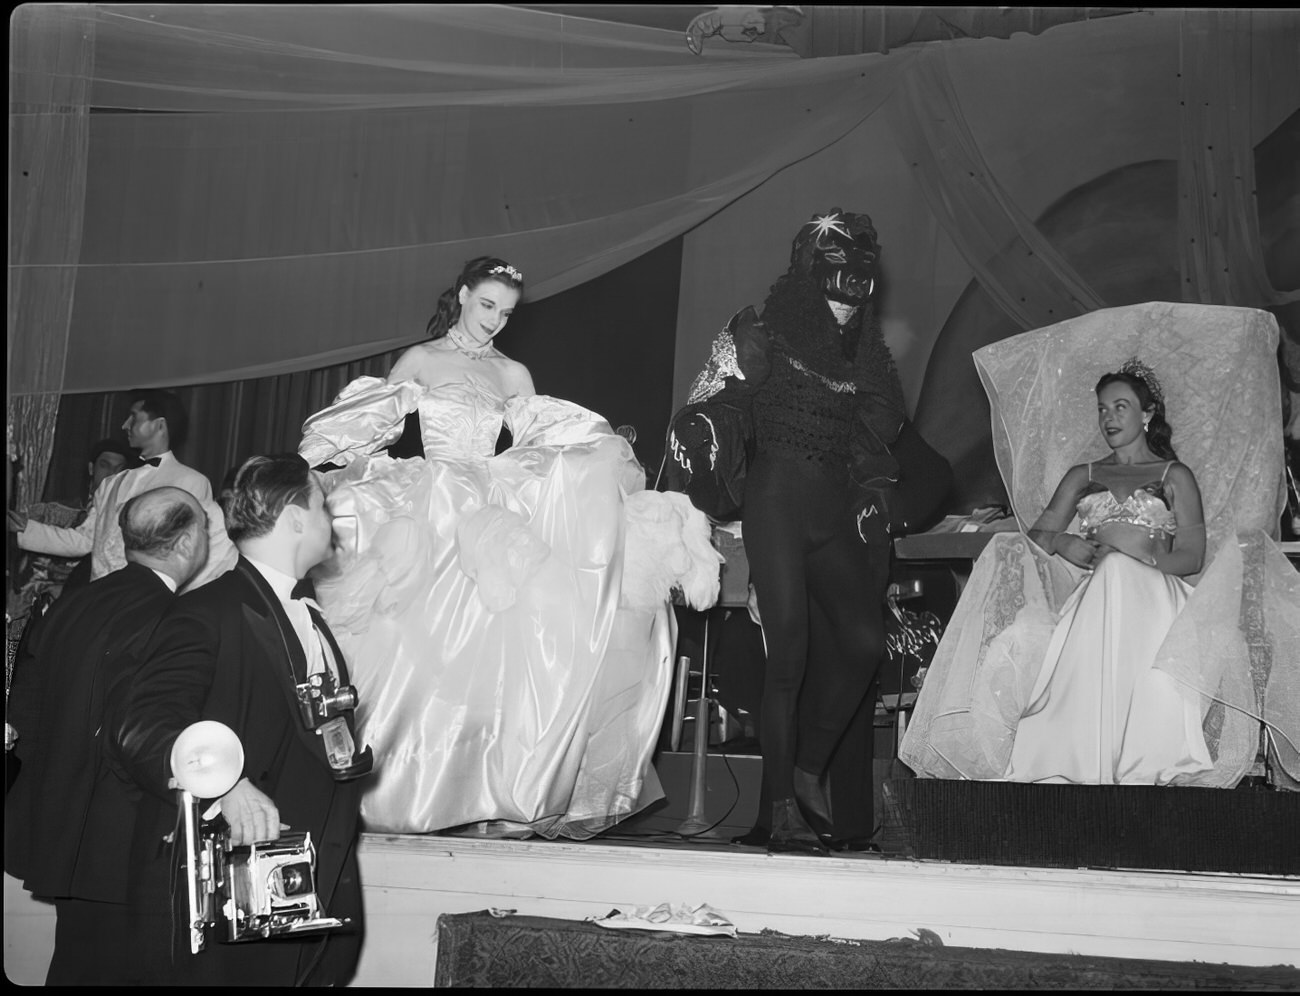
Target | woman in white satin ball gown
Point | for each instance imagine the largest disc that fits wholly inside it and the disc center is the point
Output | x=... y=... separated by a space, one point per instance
x=477 y=595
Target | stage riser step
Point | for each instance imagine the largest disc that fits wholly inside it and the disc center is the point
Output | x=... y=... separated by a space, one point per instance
x=1246 y=831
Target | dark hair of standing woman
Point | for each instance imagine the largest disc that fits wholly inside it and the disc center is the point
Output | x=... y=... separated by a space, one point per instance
x=475 y=272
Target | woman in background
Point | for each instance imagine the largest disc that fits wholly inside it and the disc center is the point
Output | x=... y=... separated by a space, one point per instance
x=1099 y=713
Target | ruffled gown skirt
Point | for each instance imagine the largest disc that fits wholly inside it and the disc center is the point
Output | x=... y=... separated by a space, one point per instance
x=535 y=706
x=1099 y=713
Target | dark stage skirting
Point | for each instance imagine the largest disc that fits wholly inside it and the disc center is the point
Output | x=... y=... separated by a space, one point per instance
x=1247 y=831
x=480 y=950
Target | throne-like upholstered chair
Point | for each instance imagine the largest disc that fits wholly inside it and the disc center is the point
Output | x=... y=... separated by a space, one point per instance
x=1236 y=644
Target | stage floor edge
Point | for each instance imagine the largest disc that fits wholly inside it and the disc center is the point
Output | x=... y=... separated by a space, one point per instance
x=410 y=880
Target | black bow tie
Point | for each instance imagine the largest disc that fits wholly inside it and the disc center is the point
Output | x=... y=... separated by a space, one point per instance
x=152 y=461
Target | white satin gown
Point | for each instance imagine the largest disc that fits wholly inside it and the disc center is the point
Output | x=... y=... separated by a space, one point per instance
x=477 y=600
x=1099 y=713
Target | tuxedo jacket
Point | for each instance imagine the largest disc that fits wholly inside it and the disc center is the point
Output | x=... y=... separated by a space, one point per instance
x=228 y=652
x=69 y=818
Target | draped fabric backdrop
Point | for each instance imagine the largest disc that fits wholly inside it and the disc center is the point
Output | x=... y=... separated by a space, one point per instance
x=271 y=190
x=51 y=53
x=978 y=138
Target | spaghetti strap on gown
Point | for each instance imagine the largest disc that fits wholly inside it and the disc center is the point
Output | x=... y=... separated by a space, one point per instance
x=1099 y=713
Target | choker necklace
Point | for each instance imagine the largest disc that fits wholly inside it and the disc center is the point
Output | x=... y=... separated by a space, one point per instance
x=462 y=344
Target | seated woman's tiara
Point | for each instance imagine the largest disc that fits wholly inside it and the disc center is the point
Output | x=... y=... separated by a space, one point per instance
x=1136 y=368
x=508 y=270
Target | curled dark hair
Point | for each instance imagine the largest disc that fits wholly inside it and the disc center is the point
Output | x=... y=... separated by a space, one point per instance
x=1160 y=434
x=151 y=524
x=261 y=490
x=796 y=310
x=157 y=403
x=475 y=272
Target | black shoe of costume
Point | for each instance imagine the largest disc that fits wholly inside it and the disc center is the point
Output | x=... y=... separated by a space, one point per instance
x=791 y=833
x=758 y=837
x=855 y=844
x=813 y=795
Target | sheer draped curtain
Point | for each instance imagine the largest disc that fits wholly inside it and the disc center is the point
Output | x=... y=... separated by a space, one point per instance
x=1012 y=260
x=1226 y=68
x=311 y=176
x=1223 y=73
x=51 y=53
x=275 y=189
x=223 y=194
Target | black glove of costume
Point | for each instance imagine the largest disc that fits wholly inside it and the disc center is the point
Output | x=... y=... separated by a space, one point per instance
x=692 y=440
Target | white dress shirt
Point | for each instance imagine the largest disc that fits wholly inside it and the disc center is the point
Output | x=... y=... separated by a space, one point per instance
x=101 y=536
x=319 y=655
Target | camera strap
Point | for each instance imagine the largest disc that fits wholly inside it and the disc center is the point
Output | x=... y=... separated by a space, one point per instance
x=337 y=733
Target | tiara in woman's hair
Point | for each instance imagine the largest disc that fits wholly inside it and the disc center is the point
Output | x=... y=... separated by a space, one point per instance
x=1136 y=368
x=508 y=270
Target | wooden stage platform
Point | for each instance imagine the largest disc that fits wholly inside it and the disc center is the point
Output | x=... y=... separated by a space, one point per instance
x=410 y=880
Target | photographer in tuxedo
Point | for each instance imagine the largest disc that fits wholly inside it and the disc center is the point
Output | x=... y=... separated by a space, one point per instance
x=236 y=651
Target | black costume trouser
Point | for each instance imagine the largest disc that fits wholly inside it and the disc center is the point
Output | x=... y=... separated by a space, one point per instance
x=90 y=944
x=805 y=554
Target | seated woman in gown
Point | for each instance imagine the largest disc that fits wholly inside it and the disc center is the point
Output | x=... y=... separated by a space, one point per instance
x=1145 y=628
x=504 y=680
x=1099 y=713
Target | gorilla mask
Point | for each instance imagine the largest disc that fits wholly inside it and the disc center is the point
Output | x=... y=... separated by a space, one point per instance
x=839 y=251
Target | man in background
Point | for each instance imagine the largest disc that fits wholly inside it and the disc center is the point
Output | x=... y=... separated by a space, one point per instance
x=41 y=577
x=157 y=422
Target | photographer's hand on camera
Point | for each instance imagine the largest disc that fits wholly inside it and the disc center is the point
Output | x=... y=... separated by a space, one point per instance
x=251 y=814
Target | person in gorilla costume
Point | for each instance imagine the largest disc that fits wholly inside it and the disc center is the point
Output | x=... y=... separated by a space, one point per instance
x=795 y=424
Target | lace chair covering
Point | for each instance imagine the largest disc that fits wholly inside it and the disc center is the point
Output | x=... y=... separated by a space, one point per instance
x=1236 y=642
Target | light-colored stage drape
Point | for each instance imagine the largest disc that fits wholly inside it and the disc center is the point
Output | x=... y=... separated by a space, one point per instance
x=278 y=189
x=1012 y=260
x=51 y=51
x=981 y=136
x=1220 y=258
x=314 y=176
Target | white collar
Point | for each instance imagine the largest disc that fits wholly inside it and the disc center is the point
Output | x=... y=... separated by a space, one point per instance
x=167 y=579
x=282 y=584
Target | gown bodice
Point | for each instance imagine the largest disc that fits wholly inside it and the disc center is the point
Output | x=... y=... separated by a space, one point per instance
x=459 y=421
x=1147 y=507
x=1141 y=508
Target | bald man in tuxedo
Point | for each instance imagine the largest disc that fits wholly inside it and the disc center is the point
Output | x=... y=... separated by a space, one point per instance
x=69 y=817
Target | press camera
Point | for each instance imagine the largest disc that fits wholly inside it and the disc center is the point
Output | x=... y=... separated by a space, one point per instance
x=248 y=893
x=261 y=890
